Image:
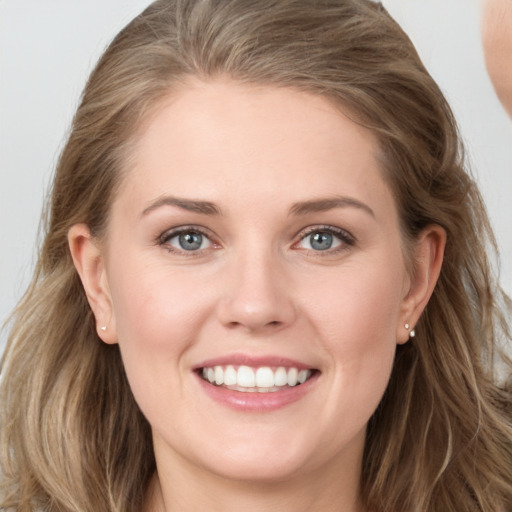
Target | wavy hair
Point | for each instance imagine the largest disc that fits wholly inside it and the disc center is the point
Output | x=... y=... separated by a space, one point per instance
x=73 y=438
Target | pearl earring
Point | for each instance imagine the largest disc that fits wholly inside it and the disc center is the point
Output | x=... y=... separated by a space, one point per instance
x=103 y=328
x=412 y=332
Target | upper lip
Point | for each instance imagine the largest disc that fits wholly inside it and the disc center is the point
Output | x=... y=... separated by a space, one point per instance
x=253 y=361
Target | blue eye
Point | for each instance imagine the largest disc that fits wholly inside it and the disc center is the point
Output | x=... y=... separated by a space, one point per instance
x=321 y=241
x=325 y=239
x=187 y=240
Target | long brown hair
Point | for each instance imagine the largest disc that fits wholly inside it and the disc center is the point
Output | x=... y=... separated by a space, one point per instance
x=73 y=438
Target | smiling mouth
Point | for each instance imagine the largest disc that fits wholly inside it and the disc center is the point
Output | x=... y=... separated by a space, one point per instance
x=263 y=379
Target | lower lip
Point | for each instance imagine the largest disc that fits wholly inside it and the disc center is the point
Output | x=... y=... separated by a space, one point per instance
x=257 y=402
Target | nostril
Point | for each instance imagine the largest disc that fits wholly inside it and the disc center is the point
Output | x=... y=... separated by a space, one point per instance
x=273 y=323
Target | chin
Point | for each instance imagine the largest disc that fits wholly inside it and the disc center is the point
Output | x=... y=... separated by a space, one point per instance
x=260 y=455
x=258 y=469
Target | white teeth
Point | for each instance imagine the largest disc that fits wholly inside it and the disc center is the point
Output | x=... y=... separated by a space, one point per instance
x=293 y=373
x=281 y=377
x=245 y=377
x=230 y=376
x=262 y=379
x=219 y=375
x=303 y=376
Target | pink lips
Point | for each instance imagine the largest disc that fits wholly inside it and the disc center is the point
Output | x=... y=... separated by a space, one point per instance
x=255 y=401
x=243 y=359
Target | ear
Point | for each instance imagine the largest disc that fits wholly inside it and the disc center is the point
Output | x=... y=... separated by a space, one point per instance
x=426 y=266
x=89 y=263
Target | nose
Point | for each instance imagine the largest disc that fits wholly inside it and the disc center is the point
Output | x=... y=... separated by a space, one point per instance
x=257 y=295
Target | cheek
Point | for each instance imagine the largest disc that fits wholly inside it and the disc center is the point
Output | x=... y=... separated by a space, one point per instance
x=357 y=322
x=152 y=306
x=360 y=305
x=157 y=318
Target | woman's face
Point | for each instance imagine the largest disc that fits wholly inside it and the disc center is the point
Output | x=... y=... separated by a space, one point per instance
x=497 y=44
x=255 y=244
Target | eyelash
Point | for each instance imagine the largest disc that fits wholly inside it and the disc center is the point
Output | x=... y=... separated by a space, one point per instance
x=164 y=239
x=346 y=238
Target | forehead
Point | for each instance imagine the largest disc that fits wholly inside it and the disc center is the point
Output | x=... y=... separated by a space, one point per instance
x=225 y=140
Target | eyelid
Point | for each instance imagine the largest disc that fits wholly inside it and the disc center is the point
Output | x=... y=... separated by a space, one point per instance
x=347 y=239
x=163 y=239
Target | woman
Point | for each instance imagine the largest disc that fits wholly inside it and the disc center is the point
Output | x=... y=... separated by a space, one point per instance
x=264 y=283
x=497 y=43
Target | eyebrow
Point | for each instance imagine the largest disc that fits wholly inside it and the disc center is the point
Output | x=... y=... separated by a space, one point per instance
x=191 y=205
x=329 y=203
x=299 y=208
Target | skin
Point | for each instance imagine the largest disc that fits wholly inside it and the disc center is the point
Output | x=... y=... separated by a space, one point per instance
x=257 y=288
x=497 y=43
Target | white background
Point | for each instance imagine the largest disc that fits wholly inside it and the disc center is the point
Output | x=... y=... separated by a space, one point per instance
x=48 y=47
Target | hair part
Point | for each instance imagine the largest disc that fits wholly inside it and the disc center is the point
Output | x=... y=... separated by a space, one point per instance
x=73 y=438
